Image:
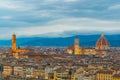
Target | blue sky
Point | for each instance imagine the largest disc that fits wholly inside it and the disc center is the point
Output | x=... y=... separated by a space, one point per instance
x=58 y=18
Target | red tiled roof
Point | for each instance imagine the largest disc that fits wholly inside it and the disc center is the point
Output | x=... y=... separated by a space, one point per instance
x=71 y=47
x=102 y=42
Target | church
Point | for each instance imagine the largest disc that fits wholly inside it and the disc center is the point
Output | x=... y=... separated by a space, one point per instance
x=101 y=47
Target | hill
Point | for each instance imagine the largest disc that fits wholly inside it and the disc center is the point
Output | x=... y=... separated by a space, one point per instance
x=85 y=40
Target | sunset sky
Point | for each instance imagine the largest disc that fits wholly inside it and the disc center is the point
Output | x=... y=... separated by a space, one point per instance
x=58 y=18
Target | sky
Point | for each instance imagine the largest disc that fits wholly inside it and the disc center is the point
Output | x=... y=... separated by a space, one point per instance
x=58 y=18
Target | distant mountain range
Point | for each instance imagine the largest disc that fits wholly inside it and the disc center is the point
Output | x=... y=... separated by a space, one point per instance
x=85 y=40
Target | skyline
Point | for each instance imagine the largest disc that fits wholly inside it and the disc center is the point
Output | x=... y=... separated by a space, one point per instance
x=56 y=18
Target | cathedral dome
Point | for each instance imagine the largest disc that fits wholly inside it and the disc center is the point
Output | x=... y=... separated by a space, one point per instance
x=102 y=43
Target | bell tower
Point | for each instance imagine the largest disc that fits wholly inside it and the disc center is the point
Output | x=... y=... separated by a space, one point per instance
x=76 y=46
x=14 y=42
x=14 y=46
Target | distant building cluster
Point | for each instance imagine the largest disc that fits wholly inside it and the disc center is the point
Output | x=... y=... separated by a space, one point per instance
x=60 y=63
x=101 y=48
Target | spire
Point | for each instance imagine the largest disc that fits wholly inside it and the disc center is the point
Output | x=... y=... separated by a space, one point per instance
x=13 y=34
x=102 y=35
x=76 y=41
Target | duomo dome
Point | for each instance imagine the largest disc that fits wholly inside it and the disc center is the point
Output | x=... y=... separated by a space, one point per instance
x=102 y=43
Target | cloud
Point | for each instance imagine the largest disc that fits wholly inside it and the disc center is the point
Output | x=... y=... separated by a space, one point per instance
x=8 y=5
x=15 y=5
x=6 y=17
x=114 y=7
x=70 y=0
x=58 y=17
x=58 y=28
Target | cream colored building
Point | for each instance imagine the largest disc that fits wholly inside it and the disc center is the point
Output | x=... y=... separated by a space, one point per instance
x=104 y=75
x=7 y=70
